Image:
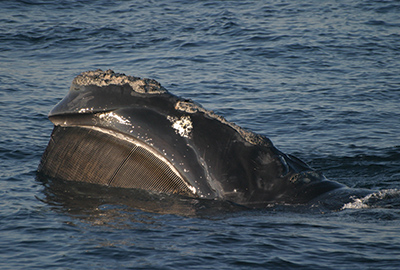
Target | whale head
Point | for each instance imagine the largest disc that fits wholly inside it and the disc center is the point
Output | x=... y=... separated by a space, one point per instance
x=123 y=131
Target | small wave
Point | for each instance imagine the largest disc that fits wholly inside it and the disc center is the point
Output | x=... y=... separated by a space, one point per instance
x=387 y=198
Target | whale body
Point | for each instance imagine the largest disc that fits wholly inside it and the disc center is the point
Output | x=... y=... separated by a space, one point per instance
x=123 y=131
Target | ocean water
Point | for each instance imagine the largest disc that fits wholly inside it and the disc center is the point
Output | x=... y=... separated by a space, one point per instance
x=321 y=79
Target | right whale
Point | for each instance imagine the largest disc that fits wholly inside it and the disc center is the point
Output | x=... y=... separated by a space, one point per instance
x=123 y=131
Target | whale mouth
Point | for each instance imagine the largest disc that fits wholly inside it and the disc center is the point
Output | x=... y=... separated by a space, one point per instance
x=120 y=161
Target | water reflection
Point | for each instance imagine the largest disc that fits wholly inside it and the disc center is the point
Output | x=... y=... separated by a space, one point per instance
x=121 y=208
x=100 y=205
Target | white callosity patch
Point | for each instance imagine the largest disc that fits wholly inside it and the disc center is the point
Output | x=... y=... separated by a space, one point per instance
x=183 y=126
x=111 y=117
x=105 y=78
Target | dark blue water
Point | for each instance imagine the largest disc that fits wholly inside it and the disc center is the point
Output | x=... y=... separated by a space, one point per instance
x=321 y=79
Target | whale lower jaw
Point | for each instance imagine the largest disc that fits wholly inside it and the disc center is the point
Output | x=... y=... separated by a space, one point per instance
x=102 y=156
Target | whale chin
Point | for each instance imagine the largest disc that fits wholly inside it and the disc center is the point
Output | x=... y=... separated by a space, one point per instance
x=122 y=131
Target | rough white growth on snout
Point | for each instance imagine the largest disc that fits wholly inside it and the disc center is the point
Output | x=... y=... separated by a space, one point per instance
x=105 y=78
x=183 y=126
